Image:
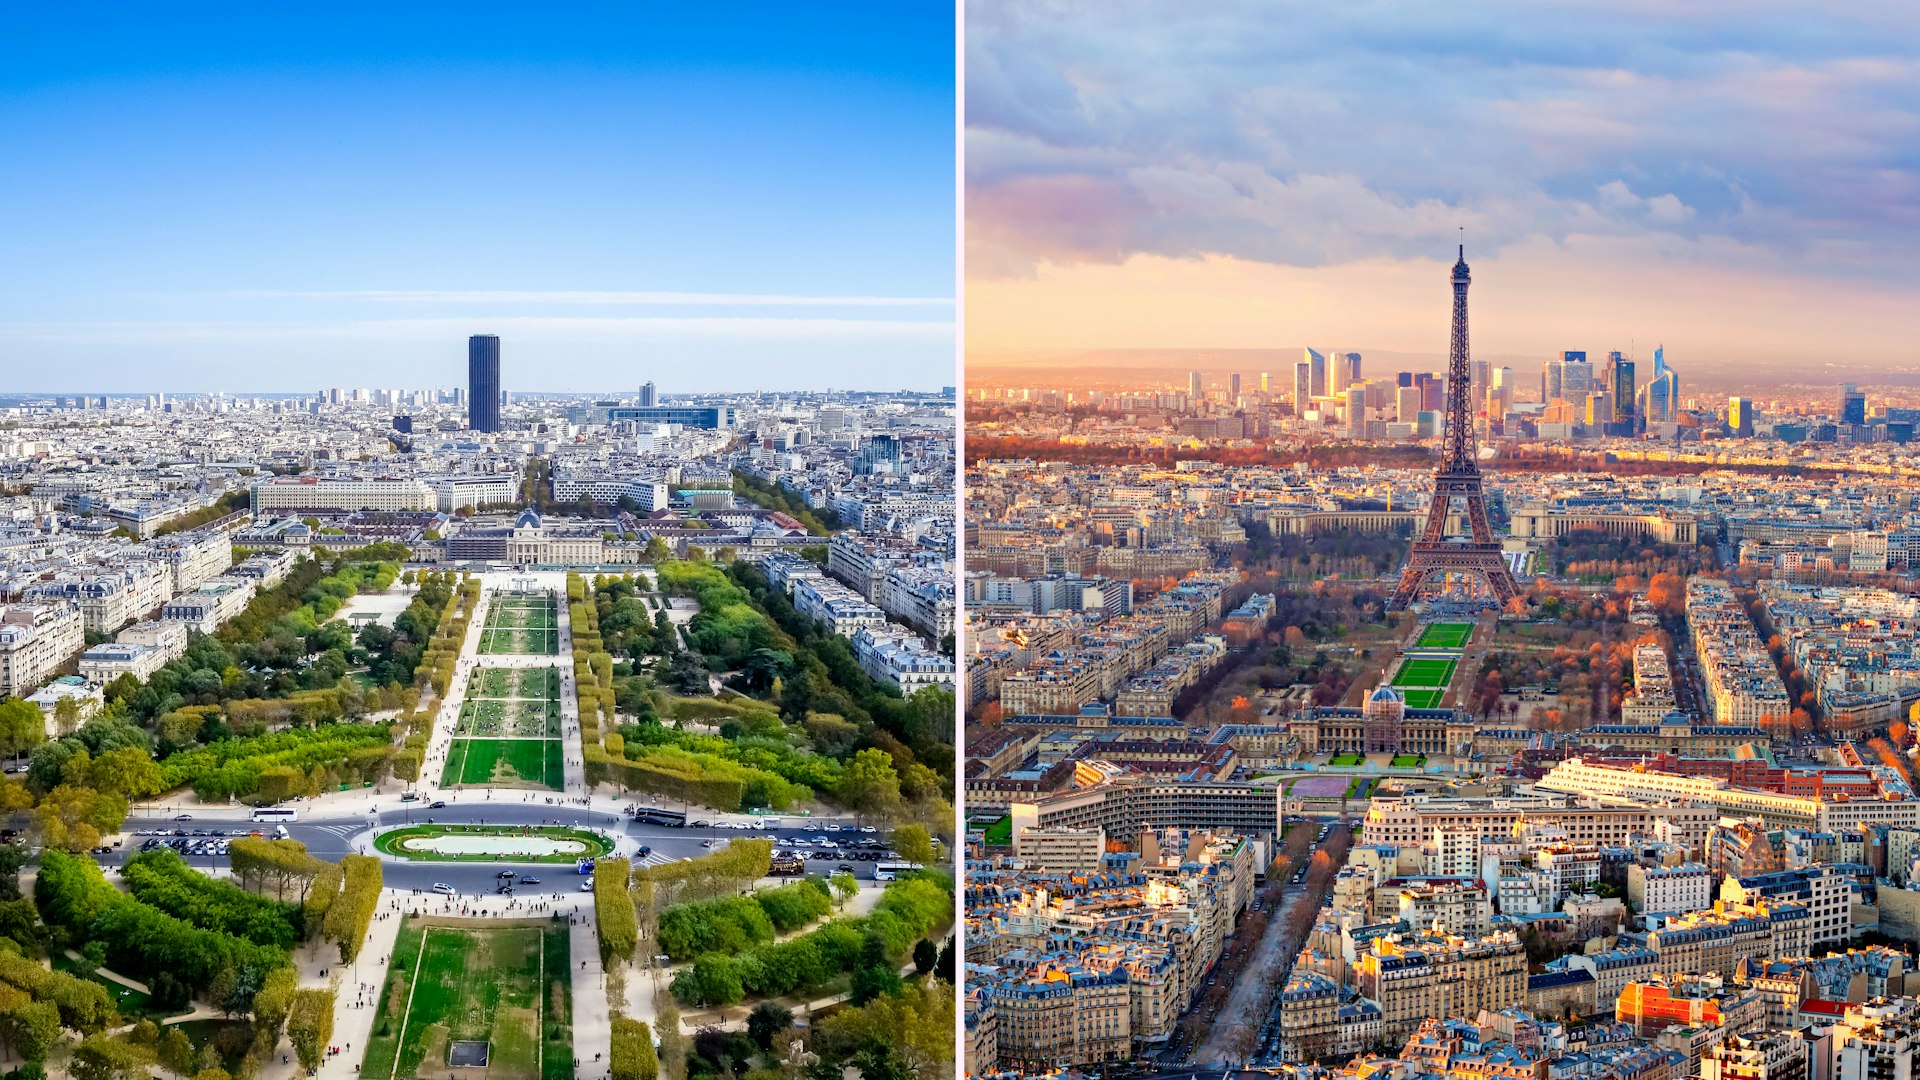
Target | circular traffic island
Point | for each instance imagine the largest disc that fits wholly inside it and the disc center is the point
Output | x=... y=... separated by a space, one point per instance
x=492 y=843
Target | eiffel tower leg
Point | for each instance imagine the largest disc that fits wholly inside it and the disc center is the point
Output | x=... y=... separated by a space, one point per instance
x=1409 y=587
x=1477 y=520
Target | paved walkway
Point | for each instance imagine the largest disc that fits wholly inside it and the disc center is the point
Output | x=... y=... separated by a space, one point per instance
x=592 y=1025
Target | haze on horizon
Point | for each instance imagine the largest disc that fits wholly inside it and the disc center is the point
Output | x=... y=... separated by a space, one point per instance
x=1738 y=185
x=245 y=199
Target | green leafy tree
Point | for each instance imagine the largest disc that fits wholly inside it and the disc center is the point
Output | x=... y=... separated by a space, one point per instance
x=22 y=727
x=99 y=1057
x=913 y=844
x=310 y=1025
x=31 y=1028
x=768 y=1019
x=845 y=885
x=869 y=786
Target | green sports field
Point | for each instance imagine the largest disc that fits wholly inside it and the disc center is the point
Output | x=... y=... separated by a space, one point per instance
x=506 y=985
x=1423 y=699
x=1445 y=635
x=1425 y=672
x=506 y=763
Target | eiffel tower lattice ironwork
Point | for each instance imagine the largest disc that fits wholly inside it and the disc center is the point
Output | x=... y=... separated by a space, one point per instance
x=1458 y=477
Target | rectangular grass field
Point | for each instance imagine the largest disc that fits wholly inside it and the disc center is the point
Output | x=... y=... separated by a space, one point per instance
x=505 y=641
x=1425 y=672
x=506 y=762
x=1445 y=635
x=1424 y=699
x=506 y=985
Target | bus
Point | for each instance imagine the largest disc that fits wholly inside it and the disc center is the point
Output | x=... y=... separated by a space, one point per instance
x=887 y=871
x=649 y=815
x=270 y=813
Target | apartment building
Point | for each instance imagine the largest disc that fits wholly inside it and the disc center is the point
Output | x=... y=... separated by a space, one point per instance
x=192 y=558
x=1826 y=892
x=1061 y=851
x=1415 y=977
x=1759 y=1055
x=341 y=494
x=1414 y=821
x=103 y=663
x=1669 y=890
x=893 y=655
x=213 y=603
x=1720 y=938
x=1743 y=685
x=1126 y=804
x=35 y=640
x=840 y=608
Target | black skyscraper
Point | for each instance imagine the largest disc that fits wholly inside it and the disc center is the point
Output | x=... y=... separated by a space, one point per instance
x=483 y=382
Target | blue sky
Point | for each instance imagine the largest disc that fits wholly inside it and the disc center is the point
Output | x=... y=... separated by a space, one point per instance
x=249 y=197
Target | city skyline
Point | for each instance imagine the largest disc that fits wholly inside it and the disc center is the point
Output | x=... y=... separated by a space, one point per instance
x=227 y=203
x=1730 y=187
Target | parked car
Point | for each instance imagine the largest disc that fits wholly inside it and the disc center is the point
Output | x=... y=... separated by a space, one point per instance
x=444 y=889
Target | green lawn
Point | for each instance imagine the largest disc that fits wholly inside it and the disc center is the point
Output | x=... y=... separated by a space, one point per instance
x=1445 y=635
x=1425 y=672
x=508 y=986
x=1346 y=760
x=1409 y=761
x=1000 y=833
x=520 y=718
x=514 y=762
x=396 y=843
x=497 y=641
x=1423 y=699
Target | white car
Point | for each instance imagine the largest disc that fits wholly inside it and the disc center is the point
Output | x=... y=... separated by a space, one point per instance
x=868 y=829
x=444 y=889
x=587 y=885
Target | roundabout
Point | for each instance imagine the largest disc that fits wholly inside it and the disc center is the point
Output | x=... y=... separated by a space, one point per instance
x=492 y=843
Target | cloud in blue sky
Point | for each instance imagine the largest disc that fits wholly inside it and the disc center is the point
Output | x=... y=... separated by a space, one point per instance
x=1761 y=135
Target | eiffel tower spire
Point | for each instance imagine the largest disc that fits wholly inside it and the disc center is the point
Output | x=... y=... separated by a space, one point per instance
x=1457 y=477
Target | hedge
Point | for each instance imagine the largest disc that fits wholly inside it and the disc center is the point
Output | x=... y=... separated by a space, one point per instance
x=613 y=910
x=633 y=1057
x=352 y=912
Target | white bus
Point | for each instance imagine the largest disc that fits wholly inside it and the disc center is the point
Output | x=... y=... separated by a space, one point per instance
x=268 y=813
x=887 y=871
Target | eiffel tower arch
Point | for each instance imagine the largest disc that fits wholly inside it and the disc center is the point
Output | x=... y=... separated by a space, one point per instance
x=1457 y=479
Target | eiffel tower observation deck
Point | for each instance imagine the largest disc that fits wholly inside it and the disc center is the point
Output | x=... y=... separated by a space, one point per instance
x=1436 y=557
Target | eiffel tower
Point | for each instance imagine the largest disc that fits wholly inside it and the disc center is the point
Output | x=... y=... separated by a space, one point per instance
x=1433 y=554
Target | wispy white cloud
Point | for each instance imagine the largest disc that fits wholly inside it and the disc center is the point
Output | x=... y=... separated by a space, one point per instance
x=440 y=330
x=591 y=297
